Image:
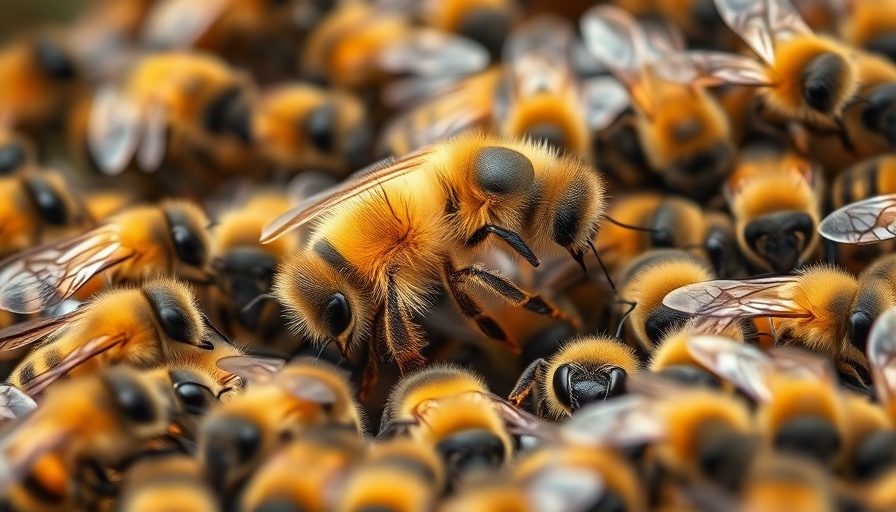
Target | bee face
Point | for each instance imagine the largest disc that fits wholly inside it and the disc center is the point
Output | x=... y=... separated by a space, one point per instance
x=245 y=274
x=780 y=238
x=576 y=385
x=230 y=446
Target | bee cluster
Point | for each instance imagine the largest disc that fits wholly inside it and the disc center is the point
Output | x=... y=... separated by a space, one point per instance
x=450 y=255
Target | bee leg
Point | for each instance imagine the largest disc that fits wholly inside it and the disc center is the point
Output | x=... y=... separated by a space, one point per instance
x=507 y=289
x=509 y=237
x=523 y=387
x=843 y=133
x=469 y=308
x=404 y=340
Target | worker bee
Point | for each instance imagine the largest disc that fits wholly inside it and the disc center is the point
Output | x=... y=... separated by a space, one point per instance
x=688 y=140
x=774 y=198
x=301 y=126
x=390 y=234
x=138 y=243
x=155 y=322
x=805 y=77
x=168 y=107
x=100 y=419
x=811 y=309
x=38 y=207
x=237 y=436
x=164 y=480
x=584 y=370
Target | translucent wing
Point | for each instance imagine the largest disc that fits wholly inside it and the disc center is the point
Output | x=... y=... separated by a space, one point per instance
x=662 y=38
x=360 y=182
x=615 y=39
x=518 y=421
x=252 y=368
x=433 y=52
x=882 y=355
x=177 y=24
x=88 y=350
x=565 y=489
x=604 y=99
x=413 y=90
x=785 y=21
x=306 y=387
x=625 y=421
x=538 y=59
x=737 y=299
x=750 y=20
x=151 y=150
x=743 y=365
x=26 y=333
x=801 y=363
x=113 y=130
x=43 y=277
x=868 y=221
x=14 y=404
x=710 y=68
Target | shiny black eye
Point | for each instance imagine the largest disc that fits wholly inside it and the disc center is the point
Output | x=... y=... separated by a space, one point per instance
x=195 y=398
x=50 y=205
x=320 y=127
x=188 y=245
x=131 y=397
x=337 y=314
x=175 y=323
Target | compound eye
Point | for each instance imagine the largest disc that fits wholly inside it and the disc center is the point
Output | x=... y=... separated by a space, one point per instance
x=175 y=323
x=195 y=398
x=337 y=314
x=320 y=127
x=503 y=171
x=562 y=385
x=132 y=398
x=188 y=245
x=50 y=205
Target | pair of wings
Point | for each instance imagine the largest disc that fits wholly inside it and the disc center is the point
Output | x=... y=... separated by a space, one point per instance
x=120 y=129
x=41 y=278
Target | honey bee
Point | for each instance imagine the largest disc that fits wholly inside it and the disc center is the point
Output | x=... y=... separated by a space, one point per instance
x=38 y=207
x=244 y=270
x=95 y=419
x=238 y=435
x=168 y=107
x=378 y=249
x=414 y=467
x=688 y=140
x=301 y=126
x=803 y=77
x=168 y=482
x=360 y=45
x=451 y=409
x=138 y=243
x=39 y=77
x=584 y=370
x=810 y=310
x=159 y=322
x=775 y=200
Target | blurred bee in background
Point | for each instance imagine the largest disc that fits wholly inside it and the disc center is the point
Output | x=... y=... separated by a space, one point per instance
x=775 y=198
x=868 y=24
x=378 y=251
x=299 y=126
x=244 y=271
x=138 y=243
x=16 y=152
x=584 y=370
x=698 y=19
x=39 y=77
x=170 y=108
x=106 y=34
x=688 y=140
x=160 y=321
x=164 y=480
x=91 y=421
x=488 y=22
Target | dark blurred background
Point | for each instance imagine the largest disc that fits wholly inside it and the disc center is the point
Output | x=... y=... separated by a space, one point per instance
x=18 y=14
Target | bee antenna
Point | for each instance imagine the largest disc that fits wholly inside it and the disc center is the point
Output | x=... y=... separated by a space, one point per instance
x=611 y=220
x=602 y=266
x=208 y=323
x=322 y=347
x=256 y=300
x=631 y=307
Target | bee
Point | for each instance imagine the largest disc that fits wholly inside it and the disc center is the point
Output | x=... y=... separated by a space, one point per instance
x=244 y=270
x=39 y=77
x=688 y=141
x=774 y=197
x=38 y=207
x=308 y=473
x=810 y=310
x=389 y=235
x=646 y=281
x=414 y=467
x=451 y=409
x=488 y=22
x=238 y=435
x=156 y=321
x=584 y=370
x=786 y=483
x=174 y=479
x=869 y=24
x=803 y=77
x=301 y=126
x=16 y=152
x=698 y=19
x=869 y=178
x=202 y=109
x=96 y=419
x=135 y=244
